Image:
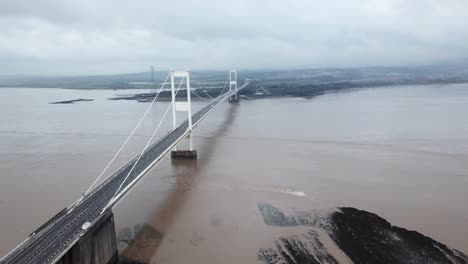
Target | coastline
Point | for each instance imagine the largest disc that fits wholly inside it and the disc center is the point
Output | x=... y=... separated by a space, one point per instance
x=135 y=88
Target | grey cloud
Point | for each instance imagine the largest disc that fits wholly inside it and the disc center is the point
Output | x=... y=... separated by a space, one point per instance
x=93 y=37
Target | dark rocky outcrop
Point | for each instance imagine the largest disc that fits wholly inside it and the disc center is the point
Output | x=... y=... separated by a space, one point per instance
x=360 y=236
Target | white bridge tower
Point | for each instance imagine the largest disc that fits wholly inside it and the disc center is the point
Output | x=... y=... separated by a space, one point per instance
x=233 y=86
x=182 y=106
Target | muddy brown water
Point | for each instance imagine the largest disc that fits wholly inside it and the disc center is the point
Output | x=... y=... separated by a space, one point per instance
x=400 y=152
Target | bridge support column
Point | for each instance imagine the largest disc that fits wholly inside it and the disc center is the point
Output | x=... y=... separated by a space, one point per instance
x=182 y=106
x=233 y=86
x=97 y=246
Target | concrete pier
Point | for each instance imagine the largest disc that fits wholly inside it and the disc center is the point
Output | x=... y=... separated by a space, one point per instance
x=97 y=246
x=184 y=154
x=234 y=99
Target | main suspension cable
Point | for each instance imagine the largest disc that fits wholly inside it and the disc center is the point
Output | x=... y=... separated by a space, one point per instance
x=212 y=98
x=208 y=100
x=146 y=146
x=224 y=86
x=125 y=142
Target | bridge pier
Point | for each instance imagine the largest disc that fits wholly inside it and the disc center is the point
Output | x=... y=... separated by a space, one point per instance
x=97 y=246
x=183 y=154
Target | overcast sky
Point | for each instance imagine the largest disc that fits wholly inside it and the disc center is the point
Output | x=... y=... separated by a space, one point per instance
x=116 y=36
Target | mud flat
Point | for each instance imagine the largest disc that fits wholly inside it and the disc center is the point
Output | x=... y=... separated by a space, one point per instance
x=349 y=235
x=72 y=101
x=341 y=235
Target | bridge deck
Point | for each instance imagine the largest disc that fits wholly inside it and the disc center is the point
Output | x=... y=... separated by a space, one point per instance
x=49 y=244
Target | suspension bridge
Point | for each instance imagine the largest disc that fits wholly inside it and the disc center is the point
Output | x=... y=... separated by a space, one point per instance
x=84 y=232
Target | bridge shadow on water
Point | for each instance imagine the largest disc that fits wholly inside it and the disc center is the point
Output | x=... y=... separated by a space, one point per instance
x=144 y=241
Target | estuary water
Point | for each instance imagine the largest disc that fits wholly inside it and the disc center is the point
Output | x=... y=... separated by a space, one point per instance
x=399 y=152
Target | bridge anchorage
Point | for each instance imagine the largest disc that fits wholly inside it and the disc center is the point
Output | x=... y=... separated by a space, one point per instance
x=233 y=86
x=182 y=106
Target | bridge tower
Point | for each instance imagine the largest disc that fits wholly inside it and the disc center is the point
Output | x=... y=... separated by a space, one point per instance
x=233 y=86
x=182 y=106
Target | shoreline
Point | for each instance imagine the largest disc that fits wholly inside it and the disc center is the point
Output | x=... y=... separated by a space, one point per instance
x=144 y=97
x=363 y=86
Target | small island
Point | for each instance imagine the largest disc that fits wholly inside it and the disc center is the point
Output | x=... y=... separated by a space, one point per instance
x=72 y=101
